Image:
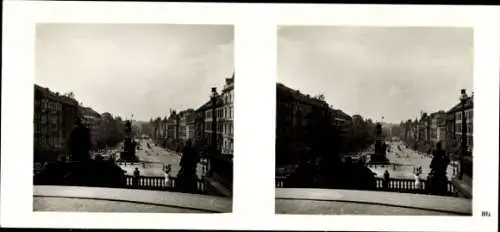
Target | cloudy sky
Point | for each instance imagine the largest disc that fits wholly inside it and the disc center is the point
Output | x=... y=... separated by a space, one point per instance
x=139 y=69
x=378 y=71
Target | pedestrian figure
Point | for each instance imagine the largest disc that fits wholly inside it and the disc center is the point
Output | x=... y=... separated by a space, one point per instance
x=136 y=177
x=167 y=170
x=386 y=179
x=417 y=181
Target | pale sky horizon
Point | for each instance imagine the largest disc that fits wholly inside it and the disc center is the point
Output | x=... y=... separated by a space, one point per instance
x=139 y=69
x=390 y=72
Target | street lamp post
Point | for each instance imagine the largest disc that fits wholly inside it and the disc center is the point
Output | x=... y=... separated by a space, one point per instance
x=463 y=98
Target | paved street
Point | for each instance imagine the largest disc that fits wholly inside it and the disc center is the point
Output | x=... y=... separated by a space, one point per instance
x=159 y=156
x=408 y=159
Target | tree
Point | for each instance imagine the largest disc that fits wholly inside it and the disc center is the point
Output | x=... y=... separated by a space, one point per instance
x=321 y=134
x=361 y=136
x=370 y=127
x=396 y=130
x=146 y=128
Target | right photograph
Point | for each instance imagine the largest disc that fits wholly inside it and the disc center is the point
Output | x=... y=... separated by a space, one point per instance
x=374 y=120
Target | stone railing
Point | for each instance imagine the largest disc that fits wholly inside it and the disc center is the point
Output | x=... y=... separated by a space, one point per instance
x=158 y=183
x=409 y=186
x=280 y=181
x=394 y=185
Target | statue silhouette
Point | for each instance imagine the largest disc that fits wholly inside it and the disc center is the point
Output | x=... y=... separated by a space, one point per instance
x=187 y=174
x=438 y=167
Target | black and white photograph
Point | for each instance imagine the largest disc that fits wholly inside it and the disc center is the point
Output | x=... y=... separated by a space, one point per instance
x=133 y=118
x=122 y=115
x=374 y=120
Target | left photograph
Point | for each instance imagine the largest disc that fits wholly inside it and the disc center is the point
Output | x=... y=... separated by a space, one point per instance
x=133 y=118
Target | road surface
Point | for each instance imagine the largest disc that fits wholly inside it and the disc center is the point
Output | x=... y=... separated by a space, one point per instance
x=408 y=159
x=159 y=156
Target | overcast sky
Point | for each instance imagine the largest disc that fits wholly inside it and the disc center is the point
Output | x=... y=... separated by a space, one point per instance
x=378 y=71
x=139 y=69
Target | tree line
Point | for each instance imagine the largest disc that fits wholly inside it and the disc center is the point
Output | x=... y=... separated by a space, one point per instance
x=110 y=132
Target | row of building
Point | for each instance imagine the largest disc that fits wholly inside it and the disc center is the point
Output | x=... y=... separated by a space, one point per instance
x=293 y=110
x=196 y=124
x=444 y=126
x=54 y=119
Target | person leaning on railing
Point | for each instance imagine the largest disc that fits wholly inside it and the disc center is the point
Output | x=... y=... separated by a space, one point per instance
x=137 y=175
x=387 y=179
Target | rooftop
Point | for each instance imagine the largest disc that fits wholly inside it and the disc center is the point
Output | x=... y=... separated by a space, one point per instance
x=297 y=95
x=340 y=113
x=229 y=84
x=87 y=111
x=55 y=96
x=469 y=103
x=208 y=104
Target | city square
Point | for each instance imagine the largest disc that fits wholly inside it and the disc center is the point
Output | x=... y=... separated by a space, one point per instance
x=380 y=119
x=111 y=110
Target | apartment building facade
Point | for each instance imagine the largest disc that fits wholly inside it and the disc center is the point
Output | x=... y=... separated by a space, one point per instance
x=227 y=116
x=54 y=119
